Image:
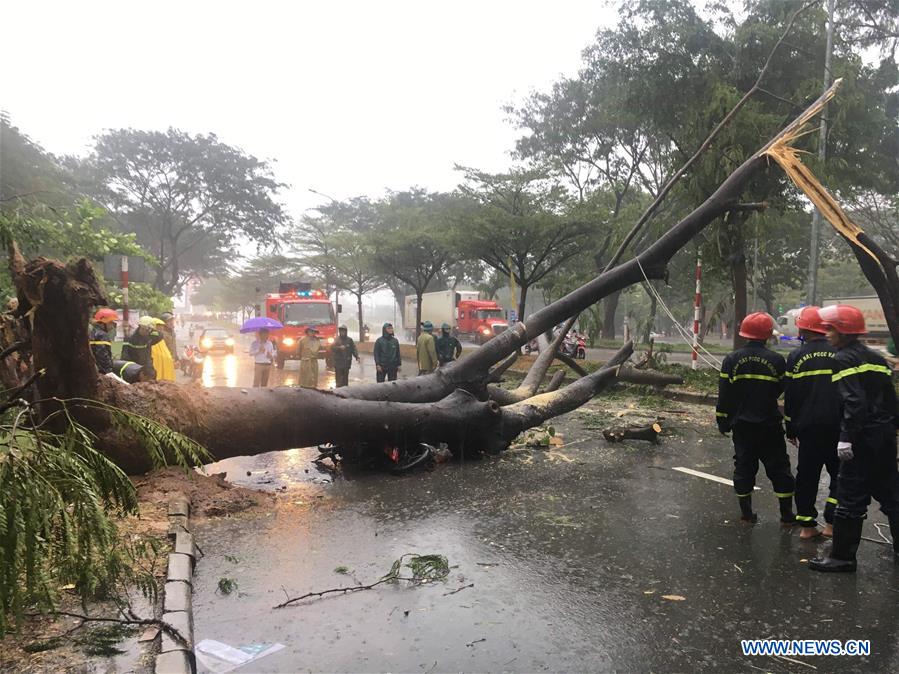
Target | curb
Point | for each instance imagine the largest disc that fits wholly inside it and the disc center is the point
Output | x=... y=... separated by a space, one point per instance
x=177 y=610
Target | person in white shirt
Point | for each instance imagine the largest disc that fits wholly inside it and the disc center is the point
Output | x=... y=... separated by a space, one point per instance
x=263 y=352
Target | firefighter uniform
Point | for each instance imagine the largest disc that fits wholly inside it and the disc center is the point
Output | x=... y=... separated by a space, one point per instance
x=101 y=347
x=812 y=415
x=868 y=421
x=750 y=383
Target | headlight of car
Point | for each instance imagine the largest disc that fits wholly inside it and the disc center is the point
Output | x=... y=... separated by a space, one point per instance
x=330 y=340
x=486 y=331
x=229 y=341
x=288 y=341
x=206 y=342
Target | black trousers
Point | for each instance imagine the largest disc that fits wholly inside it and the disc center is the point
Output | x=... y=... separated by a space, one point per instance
x=389 y=373
x=341 y=376
x=817 y=449
x=765 y=443
x=871 y=472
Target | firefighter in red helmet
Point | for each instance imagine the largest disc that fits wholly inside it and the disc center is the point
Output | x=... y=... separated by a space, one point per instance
x=867 y=442
x=750 y=383
x=812 y=413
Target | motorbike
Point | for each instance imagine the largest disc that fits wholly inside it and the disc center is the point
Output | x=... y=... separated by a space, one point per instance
x=581 y=350
x=395 y=459
x=192 y=362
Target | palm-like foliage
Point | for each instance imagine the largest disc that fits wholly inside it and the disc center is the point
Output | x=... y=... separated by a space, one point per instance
x=59 y=499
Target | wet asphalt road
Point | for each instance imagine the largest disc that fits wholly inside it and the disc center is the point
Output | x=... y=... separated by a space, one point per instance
x=571 y=553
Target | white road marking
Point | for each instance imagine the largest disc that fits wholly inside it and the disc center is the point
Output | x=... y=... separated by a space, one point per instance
x=707 y=476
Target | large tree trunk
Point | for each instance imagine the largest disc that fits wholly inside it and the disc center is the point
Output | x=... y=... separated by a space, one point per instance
x=609 y=309
x=430 y=407
x=522 y=301
x=738 y=278
x=359 y=310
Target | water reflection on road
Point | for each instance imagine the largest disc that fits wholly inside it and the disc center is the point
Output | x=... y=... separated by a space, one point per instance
x=220 y=370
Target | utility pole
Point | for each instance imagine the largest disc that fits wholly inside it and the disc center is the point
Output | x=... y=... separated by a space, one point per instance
x=812 y=295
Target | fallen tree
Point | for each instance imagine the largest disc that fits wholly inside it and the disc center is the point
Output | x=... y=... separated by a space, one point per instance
x=455 y=405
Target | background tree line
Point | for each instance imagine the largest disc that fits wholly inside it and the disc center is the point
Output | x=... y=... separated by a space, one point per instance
x=594 y=149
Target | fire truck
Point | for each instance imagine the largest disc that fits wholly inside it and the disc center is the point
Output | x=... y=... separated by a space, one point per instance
x=297 y=306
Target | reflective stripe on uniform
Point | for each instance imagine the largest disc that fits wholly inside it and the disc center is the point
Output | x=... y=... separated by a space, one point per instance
x=763 y=377
x=787 y=418
x=124 y=367
x=808 y=373
x=724 y=375
x=805 y=518
x=742 y=495
x=135 y=346
x=867 y=367
x=783 y=494
x=93 y=343
x=720 y=414
x=832 y=500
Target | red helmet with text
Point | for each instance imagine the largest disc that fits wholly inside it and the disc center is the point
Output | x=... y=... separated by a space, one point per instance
x=845 y=319
x=809 y=319
x=758 y=325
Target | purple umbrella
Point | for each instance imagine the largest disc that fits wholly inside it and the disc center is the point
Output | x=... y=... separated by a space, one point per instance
x=260 y=323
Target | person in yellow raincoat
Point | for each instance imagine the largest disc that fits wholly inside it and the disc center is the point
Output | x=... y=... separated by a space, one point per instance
x=309 y=348
x=163 y=362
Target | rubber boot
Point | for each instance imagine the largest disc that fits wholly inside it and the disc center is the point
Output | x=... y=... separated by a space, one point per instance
x=746 y=514
x=787 y=516
x=847 y=534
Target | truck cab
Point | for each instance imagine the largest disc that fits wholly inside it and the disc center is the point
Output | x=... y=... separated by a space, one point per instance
x=298 y=309
x=482 y=319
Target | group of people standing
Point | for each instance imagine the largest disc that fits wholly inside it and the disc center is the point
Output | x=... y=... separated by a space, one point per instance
x=431 y=352
x=839 y=411
x=147 y=353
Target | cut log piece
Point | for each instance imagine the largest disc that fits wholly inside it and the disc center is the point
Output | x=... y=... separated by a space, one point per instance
x=650 y=433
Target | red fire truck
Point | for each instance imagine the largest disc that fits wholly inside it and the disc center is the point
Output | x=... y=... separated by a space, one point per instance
x=297 y=306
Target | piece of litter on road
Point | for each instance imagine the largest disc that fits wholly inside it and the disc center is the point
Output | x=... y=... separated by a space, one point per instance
x=148 y=634
x=803 y=561
x=649 y=591
x=738 y=568
x=219 y=657
x=673 y=597
x=707 y=476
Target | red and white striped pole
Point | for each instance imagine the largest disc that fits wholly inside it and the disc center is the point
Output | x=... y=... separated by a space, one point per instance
x=127 y=327
x=697 y=303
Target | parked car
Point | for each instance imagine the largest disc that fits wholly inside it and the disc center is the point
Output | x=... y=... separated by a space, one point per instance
x=216 y=339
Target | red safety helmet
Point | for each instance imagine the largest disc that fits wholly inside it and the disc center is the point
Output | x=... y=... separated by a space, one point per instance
x=809 y=319
x=845 y=319
x=106 y=315
x=758 y=325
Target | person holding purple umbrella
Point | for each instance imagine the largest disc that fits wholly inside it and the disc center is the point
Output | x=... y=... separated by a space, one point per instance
x=263 y=352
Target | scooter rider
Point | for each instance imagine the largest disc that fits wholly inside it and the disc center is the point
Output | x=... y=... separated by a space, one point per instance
x=750 y=383
x=812 y=413
x=867 y=443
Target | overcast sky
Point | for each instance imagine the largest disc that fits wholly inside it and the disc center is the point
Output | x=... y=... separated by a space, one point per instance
x=349 y=98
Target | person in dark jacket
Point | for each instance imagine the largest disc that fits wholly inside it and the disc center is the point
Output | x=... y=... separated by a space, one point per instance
x=387 y=354
x=130 y=372
x=102 y=335
x=812 y=413
x=137 y=348
x=448 y=347
x=750 y=383
x=867 y=442
x=343 y=350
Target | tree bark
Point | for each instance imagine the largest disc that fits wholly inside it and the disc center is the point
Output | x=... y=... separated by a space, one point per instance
x=738 y=279
x=522 y=301
x=609 y=308
x=359 y=309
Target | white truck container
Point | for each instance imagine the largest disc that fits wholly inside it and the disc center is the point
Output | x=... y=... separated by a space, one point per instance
x=438 y=307
x=872 y=310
